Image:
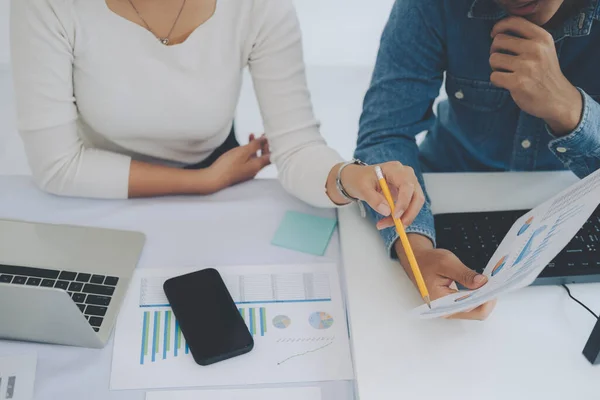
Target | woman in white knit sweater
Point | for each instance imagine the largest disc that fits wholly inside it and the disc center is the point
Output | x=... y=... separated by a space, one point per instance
x=130 y=98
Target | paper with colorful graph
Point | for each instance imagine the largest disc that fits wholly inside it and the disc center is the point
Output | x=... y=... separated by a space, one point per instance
x=294 y=312
x=532 y=242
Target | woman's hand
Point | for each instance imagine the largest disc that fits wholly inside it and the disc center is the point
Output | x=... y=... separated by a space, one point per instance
x=361 y=182
x=240 y=164
x=265 y=149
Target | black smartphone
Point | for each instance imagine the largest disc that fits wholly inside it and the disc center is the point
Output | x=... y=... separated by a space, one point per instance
x=209 y=319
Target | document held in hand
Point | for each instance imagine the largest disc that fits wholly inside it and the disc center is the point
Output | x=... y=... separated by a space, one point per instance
x=532 y=242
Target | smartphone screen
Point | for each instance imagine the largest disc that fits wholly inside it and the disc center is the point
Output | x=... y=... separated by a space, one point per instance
x=208 y=317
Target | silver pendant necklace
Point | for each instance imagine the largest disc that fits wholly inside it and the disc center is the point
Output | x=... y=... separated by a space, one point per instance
x=164 y=40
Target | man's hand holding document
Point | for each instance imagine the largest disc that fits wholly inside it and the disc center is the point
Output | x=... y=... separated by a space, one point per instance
x=532 y=242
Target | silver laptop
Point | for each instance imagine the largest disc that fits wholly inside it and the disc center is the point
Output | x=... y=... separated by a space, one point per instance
x=63 y=284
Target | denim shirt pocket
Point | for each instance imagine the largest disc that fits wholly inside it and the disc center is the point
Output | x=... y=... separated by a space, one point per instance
x=477 y=107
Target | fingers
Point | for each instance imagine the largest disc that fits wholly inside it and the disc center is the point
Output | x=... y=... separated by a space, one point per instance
x=416 y=203
x=405 y=195
x=410 y=198
x=385 y=223
x=377 y=201
x=255 y=145
x=401 y=180
x=251 y=168
x=259 y=163
x=520 y=27
x=455 y=270
x=478 y=314
x=503 y=62
x=503 y=80
x=504 y=43
x=266 y=149
x=362 y=183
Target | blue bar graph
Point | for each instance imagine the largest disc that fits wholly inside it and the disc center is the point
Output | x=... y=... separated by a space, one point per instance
x=156 y=336
x=177 y=339
x=145 y=324
x=161 y=336
x=166 y=335
x=263 y=321
x=253 y=318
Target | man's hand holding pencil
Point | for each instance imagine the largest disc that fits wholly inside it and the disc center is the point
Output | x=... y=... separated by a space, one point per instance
x=435 y=272
x=441 y=269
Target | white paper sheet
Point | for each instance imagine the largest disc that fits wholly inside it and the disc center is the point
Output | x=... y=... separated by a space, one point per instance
x=295 y=314
x=532 y=242
x=303 y=393
x=17 y=377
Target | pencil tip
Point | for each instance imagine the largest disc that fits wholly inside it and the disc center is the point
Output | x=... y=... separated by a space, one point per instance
x=428 y=301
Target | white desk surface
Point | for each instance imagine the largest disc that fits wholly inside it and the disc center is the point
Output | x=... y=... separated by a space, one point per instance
x=181 y=232
x=529 y=348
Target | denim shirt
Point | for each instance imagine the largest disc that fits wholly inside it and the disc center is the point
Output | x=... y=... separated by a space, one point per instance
x=479 y=127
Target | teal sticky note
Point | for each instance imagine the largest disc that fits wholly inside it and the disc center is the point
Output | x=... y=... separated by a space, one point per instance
x=306 y=233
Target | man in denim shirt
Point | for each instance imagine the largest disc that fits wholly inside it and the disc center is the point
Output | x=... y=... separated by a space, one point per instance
x=523 y=80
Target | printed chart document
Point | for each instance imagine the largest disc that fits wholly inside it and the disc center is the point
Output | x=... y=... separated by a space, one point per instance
x=532 y=242
x=295 y=314
x=17 y=377
x=304 y=393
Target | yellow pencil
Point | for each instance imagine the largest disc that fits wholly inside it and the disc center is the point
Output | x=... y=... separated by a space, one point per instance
x=403 y=238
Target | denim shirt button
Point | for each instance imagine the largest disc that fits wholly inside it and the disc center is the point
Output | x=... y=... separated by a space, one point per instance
x=459 y=95
x=561 y=149
x=526 y=144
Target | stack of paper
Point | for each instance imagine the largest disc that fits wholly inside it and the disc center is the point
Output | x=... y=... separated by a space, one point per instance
x=295 y=314
x=305 y=393
x=17 y=375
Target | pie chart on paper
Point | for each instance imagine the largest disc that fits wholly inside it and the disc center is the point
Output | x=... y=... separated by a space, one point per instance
x=281 y=321
x=320 y=320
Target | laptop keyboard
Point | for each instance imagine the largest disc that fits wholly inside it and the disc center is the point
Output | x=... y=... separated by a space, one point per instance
x=91 y=293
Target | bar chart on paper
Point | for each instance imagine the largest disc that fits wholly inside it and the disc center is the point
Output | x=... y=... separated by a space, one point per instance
x=294 y=313
x=161 y=333
x=256 y=319
x=17 y=377
x=162 y=337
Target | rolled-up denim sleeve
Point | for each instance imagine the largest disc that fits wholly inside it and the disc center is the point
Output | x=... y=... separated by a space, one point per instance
x=399 y=103
x=580 y=150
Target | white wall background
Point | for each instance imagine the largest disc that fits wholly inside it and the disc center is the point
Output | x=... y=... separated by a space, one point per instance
x=342 y=32
x=336 y=32
x=4 y=31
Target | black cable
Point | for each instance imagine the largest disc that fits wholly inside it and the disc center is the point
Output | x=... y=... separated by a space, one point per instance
x=579 y=302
